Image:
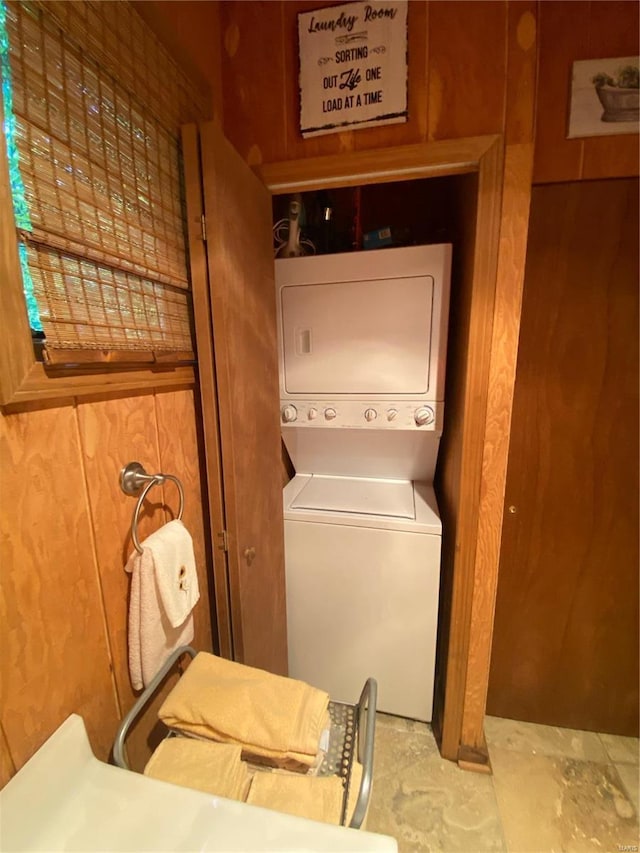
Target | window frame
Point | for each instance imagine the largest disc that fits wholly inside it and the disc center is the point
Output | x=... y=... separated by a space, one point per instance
x=24 y=379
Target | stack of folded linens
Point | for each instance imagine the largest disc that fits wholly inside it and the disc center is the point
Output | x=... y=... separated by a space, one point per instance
x=275 y=720
x=313 y=797
x=216 y=768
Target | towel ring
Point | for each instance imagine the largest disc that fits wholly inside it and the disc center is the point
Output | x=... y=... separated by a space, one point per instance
x=133 y=477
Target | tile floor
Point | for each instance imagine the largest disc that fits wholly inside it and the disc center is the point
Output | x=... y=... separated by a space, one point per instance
x=552 y=790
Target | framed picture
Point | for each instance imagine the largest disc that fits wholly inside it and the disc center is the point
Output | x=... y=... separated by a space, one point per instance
x=604 y=97
x=353 y=66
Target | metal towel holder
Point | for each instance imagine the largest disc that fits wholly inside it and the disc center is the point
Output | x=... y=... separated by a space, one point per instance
x=133 y=477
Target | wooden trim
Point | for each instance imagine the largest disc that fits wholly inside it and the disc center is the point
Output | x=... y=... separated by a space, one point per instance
x=476 y=759
x=403 y=163
x=16 y=349
x=22 y=378
x=484 y=156
x=38 y=385
x=208 y=382
x=502 y=372
x=174 y=357
x=472 y=442
x=71 y=358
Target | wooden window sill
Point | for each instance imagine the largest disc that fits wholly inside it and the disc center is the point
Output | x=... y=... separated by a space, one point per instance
x=39 y=385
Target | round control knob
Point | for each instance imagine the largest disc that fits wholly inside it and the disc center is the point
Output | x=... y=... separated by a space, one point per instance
x=312 y=413
x=330 y=414
x=370 y=415
x=392 y=414
x=289 y=413
x=423 y=415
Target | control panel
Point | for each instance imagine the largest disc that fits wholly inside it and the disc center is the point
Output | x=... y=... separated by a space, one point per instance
x=371 y=414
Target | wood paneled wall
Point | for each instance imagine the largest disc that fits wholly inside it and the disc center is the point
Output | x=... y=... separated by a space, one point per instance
x=571 y=31
x=190 y=30
x=65 y=528
x=65 y=524
x=458 y=55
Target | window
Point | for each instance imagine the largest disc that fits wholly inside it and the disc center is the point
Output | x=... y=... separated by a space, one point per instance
x=92 y=109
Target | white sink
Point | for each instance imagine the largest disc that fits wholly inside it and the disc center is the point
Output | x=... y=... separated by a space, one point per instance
x=64 y=798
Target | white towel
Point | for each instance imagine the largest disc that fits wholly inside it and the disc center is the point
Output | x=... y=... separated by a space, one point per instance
x=164 y=591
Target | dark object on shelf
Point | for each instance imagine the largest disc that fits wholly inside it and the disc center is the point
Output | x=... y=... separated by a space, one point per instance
x=388 y=236
x=321 y=223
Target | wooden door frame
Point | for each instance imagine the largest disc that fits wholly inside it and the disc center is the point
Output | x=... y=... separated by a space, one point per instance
x=484 y=157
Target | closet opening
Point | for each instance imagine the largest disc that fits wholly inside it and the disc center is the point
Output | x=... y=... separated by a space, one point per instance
x=356 y=217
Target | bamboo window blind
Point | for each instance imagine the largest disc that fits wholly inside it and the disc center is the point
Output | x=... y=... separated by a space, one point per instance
x=93 y=105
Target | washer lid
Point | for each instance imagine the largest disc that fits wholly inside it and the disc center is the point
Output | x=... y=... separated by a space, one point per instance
x=366 y=495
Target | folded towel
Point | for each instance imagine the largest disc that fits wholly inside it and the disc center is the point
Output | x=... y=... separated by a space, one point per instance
x=355 y=778
x=212 y=767
x=164 y=589
x=313 y=797
x=275 y=718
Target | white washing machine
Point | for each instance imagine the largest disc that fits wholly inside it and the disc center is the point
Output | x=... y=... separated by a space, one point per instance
x=363 y=574
x=362 y=343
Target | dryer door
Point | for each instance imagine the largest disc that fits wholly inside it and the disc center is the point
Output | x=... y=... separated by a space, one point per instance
x=358 y=337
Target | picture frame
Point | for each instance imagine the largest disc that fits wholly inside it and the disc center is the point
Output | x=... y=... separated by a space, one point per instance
x=353 y=66
x=604 y=97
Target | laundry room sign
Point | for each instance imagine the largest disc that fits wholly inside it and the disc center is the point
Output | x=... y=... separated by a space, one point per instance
x=353 y=66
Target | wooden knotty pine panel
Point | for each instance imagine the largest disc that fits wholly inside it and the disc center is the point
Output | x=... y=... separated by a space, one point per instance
x=114 y=432
x=55 y=655
x=253 y=69
x=457 y=78
x=458 y=56
x=522 y=58
x=613 y=31
x=467 y=68
x=66 y=539
x=571 y=31
x=189 y=29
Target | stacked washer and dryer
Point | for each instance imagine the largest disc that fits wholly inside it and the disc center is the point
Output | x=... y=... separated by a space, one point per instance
x=362 y=347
